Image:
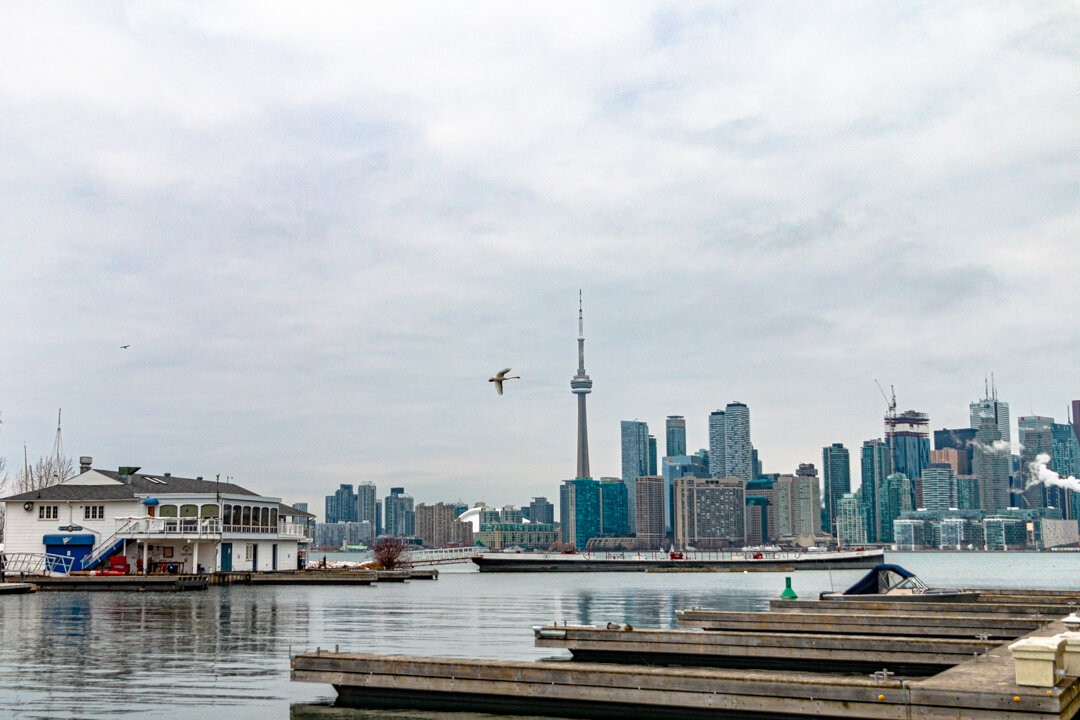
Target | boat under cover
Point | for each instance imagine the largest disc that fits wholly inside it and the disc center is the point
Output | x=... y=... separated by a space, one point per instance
x=892 y=582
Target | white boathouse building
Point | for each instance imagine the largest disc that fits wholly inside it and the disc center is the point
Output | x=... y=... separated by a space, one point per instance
x=125 y=521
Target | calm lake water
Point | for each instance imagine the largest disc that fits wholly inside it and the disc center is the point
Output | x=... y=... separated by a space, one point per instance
x=224 y=653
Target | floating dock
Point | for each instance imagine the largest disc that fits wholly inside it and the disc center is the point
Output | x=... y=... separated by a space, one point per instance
x=136 y=583
x=15 y=588
x=799 y=660
x=202 y=581
x=770 y=561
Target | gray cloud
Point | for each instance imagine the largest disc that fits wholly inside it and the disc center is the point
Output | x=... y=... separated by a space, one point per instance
x=321 y=231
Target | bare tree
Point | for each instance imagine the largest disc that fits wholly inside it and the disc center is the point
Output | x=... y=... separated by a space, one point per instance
x=387 y=553
x=45 y=472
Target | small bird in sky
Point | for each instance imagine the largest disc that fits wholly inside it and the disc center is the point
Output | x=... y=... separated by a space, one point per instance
x=500 y=376
x=124 y=347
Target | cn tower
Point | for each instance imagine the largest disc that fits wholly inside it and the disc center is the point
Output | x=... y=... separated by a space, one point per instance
x=581 y=386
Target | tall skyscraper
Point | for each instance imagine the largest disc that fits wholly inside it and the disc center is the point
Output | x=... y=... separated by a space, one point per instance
x=994 y=409
x=717 y=436
x=635 y=459
x=581 y=385
x=676 y=435
x=738 y=450
x=908 y=436
x=649 y=509
x=876 y=466
x=652 y=456
x=366 y=503
x=991 y=463
x=1075 y=419
x=836 y=465
x=1036 y=438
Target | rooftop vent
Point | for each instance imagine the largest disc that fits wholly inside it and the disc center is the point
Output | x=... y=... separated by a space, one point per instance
x=85 y=462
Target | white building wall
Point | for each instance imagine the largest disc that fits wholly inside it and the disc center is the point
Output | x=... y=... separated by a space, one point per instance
x=23 y=529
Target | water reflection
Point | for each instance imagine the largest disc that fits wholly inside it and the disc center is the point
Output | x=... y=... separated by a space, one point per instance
x=224 y=652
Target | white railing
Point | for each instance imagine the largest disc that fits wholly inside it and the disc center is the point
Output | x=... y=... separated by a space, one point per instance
x=442 y=556
x=209 y=528
x=37 y=563
x=292 y=530
x=199 y=527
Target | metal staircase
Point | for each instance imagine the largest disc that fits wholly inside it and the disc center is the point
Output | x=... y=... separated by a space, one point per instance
x=108 y=546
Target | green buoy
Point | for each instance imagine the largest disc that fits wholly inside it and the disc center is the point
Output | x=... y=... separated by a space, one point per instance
x=788 y=593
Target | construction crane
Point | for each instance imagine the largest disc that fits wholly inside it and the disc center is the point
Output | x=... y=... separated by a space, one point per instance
x=891 y=402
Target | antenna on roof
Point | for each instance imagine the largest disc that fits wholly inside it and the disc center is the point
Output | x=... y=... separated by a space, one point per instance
x=58 y=451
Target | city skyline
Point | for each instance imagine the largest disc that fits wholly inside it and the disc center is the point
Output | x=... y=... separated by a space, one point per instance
x=318 y=232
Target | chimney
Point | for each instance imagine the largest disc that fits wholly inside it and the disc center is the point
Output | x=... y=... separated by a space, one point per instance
x=199 y=478
x=168 y=474
x=85 y=462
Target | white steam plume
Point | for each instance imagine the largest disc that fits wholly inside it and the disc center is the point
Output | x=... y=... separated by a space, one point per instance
x=996 y=447
x=1040 y=473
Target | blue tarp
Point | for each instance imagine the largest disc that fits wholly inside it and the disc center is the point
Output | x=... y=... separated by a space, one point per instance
x=876 y=581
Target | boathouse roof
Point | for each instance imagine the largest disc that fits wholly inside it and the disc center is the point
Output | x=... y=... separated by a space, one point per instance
x=118 y=487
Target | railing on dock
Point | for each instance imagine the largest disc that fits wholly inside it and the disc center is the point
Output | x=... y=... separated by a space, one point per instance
x=37 y=563
x=441 y=556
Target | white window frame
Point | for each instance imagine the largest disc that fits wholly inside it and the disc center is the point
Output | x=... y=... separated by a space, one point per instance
x=94 y=512
x=48 y=512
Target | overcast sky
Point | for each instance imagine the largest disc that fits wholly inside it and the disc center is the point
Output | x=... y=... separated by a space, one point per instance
x=322 y=227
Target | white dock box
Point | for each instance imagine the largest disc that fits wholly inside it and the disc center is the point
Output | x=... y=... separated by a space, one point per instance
x=1037 y=660
x=1071 y=663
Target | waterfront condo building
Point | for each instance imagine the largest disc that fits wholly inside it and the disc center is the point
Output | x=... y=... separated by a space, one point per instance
x=541 y=511
x=939 y=487
x=850 y=521
x=342 y=505
x=836 y=466
x=614 y=506
x=400 y=514
x=580 y=511
x=649 y=509
x=876 y=462
x=710 y=513
x=153 y=522
x=435 y=524
x=367 y=504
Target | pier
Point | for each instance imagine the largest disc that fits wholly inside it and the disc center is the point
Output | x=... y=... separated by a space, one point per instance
x=801 y=659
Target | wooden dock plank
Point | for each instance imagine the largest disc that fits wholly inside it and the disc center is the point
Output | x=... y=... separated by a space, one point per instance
x=860 y=623
x=771 y=694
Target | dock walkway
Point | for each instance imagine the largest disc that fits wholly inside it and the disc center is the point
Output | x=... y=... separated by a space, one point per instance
x=936 y=674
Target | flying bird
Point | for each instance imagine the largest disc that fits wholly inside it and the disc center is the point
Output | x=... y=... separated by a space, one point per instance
x=124 y=347
x=500 y=376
